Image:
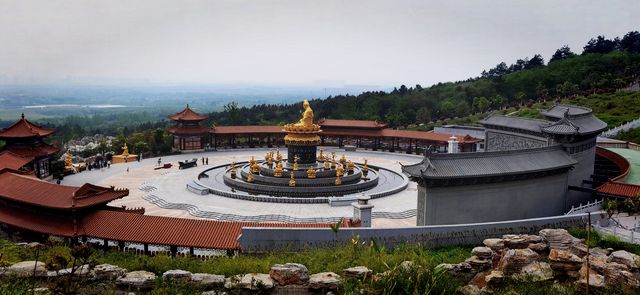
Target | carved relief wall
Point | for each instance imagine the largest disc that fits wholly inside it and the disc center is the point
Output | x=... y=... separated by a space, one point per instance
x=503 y=142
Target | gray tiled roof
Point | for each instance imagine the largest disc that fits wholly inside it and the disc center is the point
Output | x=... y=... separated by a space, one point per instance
x=486 y=164
x=558 y=111
x=515 y=122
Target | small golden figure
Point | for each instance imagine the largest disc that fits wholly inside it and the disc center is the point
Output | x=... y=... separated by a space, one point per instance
x=327 y=166
x=333 y=155
x=278 y=171
x=343 y=160
x=365 y=168
x=350 y=167
x=233 y=170
x=333 y=164
x=339 y=171
x=270 y=161
x=311 y=173
x=278 y=155
x=295 y=162
x=252 y=161
x=338 y=180
x=321 y=157
x=250 y=178
x=292 y=181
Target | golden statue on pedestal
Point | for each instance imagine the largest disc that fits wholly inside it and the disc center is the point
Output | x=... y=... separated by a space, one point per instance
x=233 y=170
x=321 y=156
x=125 y=150
x=295 y=162
x=270 y=161
x=365 y=168
x=343 y=160
x=311 y=173
x=292 y=181
x=250 y=178
x=304 y=132
x=278 y=156
x=339 y=171
x=350 y=167
x=333 y=164
x=327 y=166
x=278 y=171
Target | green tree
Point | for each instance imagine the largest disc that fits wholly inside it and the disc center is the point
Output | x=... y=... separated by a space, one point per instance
x=563 y=53
x=480 y=104
x=233 y=112
x=423 y=115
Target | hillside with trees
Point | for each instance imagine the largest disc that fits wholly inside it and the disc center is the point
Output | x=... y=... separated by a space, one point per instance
x=604 y=66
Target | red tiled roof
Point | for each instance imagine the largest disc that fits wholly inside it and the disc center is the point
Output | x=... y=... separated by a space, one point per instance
x=351 y=123
x=40 y=221
x=160 y=230
x=429 y=136
x=188 y=130
x=13 y=161
x=620 y=189
x=25 y=189
x=187 y=115
x=40 y=149
x=24 y=129
x=246 y=129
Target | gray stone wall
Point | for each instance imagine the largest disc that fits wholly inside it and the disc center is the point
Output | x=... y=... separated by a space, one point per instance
x=504 y=141
x=293 y=239
x=508 y=200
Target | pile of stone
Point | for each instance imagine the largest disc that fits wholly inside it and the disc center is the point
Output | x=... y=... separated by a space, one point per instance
x=553 y=255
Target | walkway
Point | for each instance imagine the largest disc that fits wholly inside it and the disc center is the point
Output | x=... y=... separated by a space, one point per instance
x=633 y=157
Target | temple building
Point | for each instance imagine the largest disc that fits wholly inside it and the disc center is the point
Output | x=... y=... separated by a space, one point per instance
x=25 y=148
x=188 y=135
x=531 y=168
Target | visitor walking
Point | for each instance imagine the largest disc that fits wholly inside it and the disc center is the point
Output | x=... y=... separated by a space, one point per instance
x=207 y=161
x=202 y=160
x=127 y=169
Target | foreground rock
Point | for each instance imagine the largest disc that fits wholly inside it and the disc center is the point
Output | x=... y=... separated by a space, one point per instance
x=207 y=281
x=289 y=274
x=142 y=280
x=514 y=260
x=177 y=275
x=632 y=261
x=26 y=269
x=357 y=272
x=558 y=238
x=108 y=272
x=324 y=280
x=250 y=281
x=537 y=272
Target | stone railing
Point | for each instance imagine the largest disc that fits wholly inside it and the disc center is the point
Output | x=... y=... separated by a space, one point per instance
x=622 y=128
x=270 y=239
x=589 y=207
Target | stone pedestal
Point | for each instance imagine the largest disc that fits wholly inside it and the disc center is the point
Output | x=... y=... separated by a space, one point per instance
x=306 y=153
x=362 y=210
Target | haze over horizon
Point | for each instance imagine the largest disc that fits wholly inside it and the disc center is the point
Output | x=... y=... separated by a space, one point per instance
x=377 y=43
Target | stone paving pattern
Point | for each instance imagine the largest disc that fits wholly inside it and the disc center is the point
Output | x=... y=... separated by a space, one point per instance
x=170 y=185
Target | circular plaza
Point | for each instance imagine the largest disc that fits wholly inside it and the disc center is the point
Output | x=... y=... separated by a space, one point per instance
x=165 y=191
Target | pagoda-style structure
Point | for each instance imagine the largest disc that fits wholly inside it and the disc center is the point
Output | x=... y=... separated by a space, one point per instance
x=25 y=148
x=302 y=138
x=188 y=135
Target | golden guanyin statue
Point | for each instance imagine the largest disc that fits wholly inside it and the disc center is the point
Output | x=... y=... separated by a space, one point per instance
x=311 y=173
x=292 y=181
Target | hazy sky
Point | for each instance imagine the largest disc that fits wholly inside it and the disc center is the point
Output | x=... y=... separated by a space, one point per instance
x=291 y=42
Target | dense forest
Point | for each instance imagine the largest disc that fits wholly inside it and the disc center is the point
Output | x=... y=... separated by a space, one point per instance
x=605 y=65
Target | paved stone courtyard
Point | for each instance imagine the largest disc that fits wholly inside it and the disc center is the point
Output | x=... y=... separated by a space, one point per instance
x=160 y=190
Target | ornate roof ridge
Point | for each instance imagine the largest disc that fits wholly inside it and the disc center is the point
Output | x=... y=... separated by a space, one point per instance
x=494 y=153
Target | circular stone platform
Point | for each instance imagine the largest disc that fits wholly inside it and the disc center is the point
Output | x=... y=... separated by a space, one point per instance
x=163 y=192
